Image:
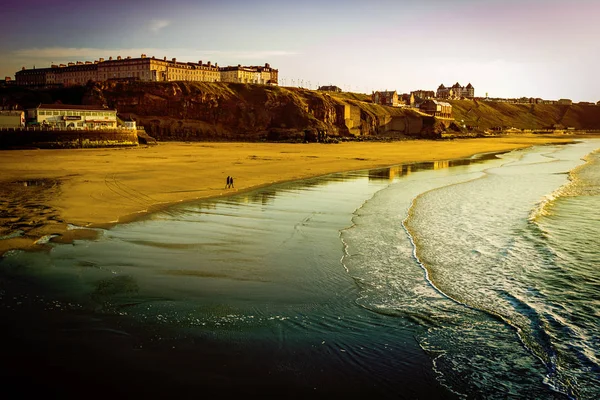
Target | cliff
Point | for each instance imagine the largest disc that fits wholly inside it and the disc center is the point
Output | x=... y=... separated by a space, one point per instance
x=488 y=115
x=226 y=112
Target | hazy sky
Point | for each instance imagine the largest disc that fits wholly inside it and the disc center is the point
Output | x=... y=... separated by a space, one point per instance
x=534 y=48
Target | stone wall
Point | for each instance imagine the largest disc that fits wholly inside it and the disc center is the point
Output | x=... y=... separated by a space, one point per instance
x=67 y=139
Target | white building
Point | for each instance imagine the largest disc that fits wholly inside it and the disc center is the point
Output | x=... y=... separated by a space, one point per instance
x=67 y=116
x=12 y=119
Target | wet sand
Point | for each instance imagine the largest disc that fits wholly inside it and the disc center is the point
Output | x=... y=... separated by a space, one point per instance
x=44 y=192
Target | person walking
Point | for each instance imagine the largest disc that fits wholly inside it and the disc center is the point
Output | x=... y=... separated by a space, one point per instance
x=231 y=181
x=228 y=182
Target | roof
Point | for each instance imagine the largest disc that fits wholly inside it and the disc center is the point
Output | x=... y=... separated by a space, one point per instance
x=442 y=86
x=72 y=107
x=469 y=86
x=441 y=103
x=456 y=85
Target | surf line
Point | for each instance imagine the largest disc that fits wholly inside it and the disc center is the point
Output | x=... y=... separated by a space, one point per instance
x=551 y=364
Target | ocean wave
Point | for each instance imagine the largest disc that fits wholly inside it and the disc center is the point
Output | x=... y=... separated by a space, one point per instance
x=582 y=181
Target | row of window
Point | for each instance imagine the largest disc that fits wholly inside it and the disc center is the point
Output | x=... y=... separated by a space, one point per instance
x=76 y=113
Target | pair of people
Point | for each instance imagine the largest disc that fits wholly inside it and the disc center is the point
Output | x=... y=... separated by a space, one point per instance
x=229 y=182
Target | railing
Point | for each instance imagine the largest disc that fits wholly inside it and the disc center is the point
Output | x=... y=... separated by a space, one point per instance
x=54 y=128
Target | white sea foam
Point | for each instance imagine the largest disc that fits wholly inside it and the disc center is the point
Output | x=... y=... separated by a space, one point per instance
x=576 y=185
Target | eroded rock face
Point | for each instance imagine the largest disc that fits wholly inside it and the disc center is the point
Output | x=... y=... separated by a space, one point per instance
x=226 y=111
x=220 y=111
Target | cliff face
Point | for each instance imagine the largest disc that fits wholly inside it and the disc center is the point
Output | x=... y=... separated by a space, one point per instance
x=224 y=111
x=488 y=115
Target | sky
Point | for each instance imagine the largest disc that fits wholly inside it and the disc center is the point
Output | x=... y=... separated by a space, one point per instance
x=508 y=48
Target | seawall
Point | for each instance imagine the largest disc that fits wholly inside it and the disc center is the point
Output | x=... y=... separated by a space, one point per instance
x=61 y=139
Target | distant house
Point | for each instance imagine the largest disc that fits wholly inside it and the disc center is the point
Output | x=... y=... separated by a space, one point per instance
x=12 y=119
x=436 y=108
x=536 y=100
x=565 y=102
x=455 y=92
x=585 y=103
x=406 y=98
x=385 y=98
x=68 y=116
x=7 y=81
x=330 y=88
x=423 y=94
x=126 y=121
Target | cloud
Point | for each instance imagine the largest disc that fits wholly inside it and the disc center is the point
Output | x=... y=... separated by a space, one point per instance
x=158 y=24
x=62 y=54
x=260 y=54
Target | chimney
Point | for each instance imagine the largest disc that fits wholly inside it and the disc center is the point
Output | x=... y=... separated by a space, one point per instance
x=118 y=57
x=70 y=64
x=200 y=62
x=173 y=59
x=267 y=65
x=110 y=58
x=208 y=63
x=79 y=63
x=129 y=57
x=165 y=58
x=54 y=66
x=143 y=56
x=101 y=60
x=22 y=68
x=216 y=65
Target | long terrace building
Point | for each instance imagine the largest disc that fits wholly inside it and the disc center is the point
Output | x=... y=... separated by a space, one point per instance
x=67 y=116
x=149 y=69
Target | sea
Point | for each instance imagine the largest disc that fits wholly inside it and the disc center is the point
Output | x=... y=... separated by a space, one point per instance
x=476 y=278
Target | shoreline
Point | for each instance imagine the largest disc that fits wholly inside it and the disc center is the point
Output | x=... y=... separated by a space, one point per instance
x=48 y=192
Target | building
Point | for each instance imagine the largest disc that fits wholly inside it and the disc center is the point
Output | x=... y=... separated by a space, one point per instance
x=444 y=93
x=423 y=94
x=455 y=92
x=148 y=69
x=565 y=102
x=407 y=99
x=12 y=119
x=67 y=116
x=249 y=74
x=385 y=98
x=7 y=81
x=330 y=88
x=436 y=108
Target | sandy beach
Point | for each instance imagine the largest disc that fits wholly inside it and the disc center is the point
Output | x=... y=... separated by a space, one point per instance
x=45 y=191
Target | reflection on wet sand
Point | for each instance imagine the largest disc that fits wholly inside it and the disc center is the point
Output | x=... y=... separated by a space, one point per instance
x=24 y=207
x=27 y=221
x=407 y=169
